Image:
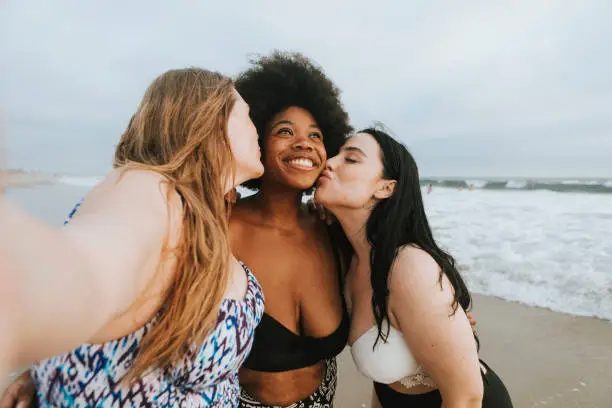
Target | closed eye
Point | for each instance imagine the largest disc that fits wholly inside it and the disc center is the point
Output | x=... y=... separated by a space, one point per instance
x=349 y=160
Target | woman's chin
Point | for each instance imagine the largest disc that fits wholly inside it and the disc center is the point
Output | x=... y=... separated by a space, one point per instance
x=320 y=197
x=254 y=173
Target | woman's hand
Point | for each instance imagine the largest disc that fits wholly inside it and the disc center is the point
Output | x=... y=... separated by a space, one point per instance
x=233 y=196
x=21 y=393
x=472 y=321
x=320 y=211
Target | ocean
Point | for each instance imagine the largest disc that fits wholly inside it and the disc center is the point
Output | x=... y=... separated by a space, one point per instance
x=544 y=243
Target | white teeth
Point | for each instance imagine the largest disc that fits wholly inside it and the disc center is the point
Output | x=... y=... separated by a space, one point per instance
x=302 y=162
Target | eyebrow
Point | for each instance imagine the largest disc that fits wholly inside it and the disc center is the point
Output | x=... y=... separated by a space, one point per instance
x=354 y=149
x=288 y=122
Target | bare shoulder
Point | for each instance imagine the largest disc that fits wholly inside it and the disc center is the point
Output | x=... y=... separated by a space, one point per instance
x=417 y=285
x=145 y=185
x=141 y=197
x=413 y=270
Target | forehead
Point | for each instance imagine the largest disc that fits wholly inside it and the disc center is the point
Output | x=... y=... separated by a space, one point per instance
x=364 y=142
x=295 y=114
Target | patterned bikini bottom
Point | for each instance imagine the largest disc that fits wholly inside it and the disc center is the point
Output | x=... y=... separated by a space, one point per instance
x=323 y=397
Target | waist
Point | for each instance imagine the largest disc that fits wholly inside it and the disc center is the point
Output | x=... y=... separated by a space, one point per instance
x=414 y=390
x=282 y=388
x=422 y=387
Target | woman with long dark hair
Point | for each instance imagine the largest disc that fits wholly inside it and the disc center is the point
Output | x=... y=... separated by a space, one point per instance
x=409 y=329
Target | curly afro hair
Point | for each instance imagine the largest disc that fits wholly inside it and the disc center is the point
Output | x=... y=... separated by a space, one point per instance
x=284 y=79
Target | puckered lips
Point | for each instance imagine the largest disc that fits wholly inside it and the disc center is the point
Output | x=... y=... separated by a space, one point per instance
x=327 y=175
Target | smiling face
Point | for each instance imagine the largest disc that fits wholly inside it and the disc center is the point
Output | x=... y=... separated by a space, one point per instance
x=354 y=178
x=294 y=154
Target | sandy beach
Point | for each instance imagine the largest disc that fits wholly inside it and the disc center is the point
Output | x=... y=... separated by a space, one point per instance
x=546 y=359
x=17 y=178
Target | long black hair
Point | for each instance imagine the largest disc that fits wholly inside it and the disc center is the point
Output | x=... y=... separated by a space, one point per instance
x=400 y=220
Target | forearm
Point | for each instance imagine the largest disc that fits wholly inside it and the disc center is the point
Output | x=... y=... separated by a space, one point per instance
x=7 y=343
x=47 y=293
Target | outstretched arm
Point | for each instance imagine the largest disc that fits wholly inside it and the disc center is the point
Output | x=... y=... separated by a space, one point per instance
x=61 y=285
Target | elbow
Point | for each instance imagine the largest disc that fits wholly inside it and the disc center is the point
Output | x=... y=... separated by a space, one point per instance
x=473 y=395
x=474 y=399
x=469 y=396
x=476 y=390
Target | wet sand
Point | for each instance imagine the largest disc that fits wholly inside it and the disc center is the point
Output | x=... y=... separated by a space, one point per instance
x=16 y=178
x=546 y=359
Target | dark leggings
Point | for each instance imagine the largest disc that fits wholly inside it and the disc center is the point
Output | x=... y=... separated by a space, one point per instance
x=495 y=395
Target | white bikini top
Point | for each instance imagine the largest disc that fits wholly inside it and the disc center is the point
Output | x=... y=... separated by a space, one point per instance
x=389 y=361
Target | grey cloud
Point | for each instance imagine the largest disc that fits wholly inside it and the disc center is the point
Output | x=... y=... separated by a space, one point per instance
x=470 y=83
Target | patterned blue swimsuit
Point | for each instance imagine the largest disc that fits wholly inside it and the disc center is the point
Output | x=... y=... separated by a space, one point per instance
x=89 y=375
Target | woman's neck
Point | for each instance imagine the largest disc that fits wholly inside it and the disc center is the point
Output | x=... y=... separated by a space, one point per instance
x=354 y=225
x=279 y=205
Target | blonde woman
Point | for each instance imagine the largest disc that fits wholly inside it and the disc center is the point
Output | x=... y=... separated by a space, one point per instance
x=138 y=300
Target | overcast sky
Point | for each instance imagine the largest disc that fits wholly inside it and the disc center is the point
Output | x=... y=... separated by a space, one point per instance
x=474 y=88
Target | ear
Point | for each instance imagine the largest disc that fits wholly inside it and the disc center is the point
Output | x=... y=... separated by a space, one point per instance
x=385 y=189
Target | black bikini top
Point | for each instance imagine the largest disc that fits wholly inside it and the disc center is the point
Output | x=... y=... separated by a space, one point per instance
x=276 y=348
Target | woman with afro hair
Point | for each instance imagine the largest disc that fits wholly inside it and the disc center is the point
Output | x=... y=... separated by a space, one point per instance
x=300 y=121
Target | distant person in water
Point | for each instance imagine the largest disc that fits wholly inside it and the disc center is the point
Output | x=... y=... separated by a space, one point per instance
x=429 y=188
x=409 y=330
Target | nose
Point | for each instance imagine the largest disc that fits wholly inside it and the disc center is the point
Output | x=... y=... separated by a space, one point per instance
x=303 y=144
x=331 y=163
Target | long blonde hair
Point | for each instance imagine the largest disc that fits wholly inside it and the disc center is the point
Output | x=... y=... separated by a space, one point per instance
x=180 y=131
